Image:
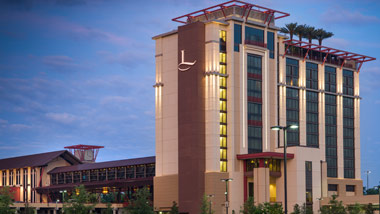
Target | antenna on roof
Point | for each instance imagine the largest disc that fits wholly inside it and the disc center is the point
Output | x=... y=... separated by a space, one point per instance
x=85 y=153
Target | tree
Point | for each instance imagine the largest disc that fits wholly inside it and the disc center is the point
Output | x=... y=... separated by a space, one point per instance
x=372 y=191
x=310 y=33
x=289 y=29
x=296 y=209
x=334 y=207
x=368 y=209
x=250 y=208
x=80 y=202
x=174 y=208
x=275 y=208
x=321 y=34
x=141 y=203
x=300 y=31
x=6 y=200
x=356 y=209
x=206 y=206
x=28 y=209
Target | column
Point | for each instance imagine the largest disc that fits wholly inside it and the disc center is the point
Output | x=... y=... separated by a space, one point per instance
x=261 y=183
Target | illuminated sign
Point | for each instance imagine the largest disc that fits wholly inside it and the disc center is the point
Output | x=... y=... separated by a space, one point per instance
x=185 y=65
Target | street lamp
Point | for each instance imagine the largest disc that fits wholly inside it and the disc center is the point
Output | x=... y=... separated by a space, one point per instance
x=285 y=129
x=63 y=195
x=210 y=196
x=226 y=192
x=367 y=173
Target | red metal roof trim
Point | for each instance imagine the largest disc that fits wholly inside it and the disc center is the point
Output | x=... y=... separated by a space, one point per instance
x=345 y=55
x=220 y=7
x=275 y=155
x=81 y=146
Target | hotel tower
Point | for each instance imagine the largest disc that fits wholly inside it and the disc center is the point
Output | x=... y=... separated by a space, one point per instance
x=223 y=79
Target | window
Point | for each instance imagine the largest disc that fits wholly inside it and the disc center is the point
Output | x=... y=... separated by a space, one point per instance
x=69 y=177
x=25 y=184
x=4 y=178
x=18 y=180
x=33 y=179
x=121 y=173
x=274 y=165
x=85 y=176
x=53 y=179
x=222 y=41
x=10 y=177
x=270 y=46
x=76 y=176
x=150 y=170
x=237 y=37
x=309 y=182
x=254 y=108
x=292 y=115
x=292 y=72
x=348 y=82
x=223 y=97
x=330 y=79
x=102 y=174
x=348 y=137
x=140 y=171
x=254 y=36
x=130 y=172
x=350 y=188
x=312 y=122
x=331 y=135
x=333 y=187
x=311 y=75
x=94 y=175
x=111 y=173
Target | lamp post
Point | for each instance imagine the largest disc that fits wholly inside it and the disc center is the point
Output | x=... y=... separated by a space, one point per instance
x=367 y=173
x=63 y=195
x=210 y=196
x=226 y=192
x=285 y=129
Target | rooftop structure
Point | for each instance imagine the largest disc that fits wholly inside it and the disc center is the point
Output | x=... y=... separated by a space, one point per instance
x=85 y=153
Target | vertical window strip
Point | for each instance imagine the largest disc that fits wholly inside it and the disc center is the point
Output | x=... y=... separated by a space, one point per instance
x=312 y=120
x=331 y=135
x=311 y=75
x=348 y=137
x=254 y=108
x=270 y=45
x=309 y=183
x=292 y=115
x=348 y=82
x=223 y=101
x=330 y=79
x=292 y=72
x=237 y=37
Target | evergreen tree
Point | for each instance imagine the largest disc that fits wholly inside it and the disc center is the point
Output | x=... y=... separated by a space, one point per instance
x=275 y=208
x=141 y=204
x=205 y=205
x=296 y=209
x=174 y=208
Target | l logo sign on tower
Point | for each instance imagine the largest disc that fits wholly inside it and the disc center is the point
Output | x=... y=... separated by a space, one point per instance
x=187 y=64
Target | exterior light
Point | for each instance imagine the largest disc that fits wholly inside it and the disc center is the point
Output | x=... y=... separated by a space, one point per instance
x=276 y=128
x=226 y=192
x=105 y=190
x=293 y=126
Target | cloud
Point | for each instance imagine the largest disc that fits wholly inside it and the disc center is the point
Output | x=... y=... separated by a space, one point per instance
x=339 y=15
x=128 y=58
x=59 y=62
x=63 y=118
x=58 y=25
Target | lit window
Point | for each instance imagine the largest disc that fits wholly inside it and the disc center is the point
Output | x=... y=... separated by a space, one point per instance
x=223 y=69
x=222 y=57
x=223 y=93
x=223 y=82
x=223 y=105
x=223 y=129
x=223 y=142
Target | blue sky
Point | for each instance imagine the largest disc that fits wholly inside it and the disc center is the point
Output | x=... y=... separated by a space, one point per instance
x=81 y=71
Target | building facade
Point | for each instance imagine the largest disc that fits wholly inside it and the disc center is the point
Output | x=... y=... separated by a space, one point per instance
x=223 y=79
x=44 y=180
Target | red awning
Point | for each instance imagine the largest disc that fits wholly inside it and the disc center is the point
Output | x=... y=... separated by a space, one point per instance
x=273 y=155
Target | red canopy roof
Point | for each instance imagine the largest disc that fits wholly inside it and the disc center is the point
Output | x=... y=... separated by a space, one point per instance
x=270 y=13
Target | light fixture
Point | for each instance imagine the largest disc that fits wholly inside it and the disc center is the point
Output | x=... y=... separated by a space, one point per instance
x=293 y=126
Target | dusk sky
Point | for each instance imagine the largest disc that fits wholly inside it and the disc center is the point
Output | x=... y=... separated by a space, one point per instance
x=81 y=71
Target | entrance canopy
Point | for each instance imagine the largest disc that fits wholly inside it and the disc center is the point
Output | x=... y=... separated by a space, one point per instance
x=269 y=155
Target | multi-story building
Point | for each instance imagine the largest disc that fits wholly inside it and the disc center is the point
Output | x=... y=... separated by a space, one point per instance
x=42 y=180
x=223 y=79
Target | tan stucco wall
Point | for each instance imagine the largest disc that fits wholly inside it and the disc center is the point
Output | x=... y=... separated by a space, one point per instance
x=165 y=191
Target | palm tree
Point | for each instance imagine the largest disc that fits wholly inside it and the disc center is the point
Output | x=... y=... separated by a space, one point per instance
x=321 y=34
x=300 y=31
x=290 y=29
x=310 y=33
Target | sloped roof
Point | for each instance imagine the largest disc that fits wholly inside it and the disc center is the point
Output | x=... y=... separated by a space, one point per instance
x=102 y=165
x=36 y=160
